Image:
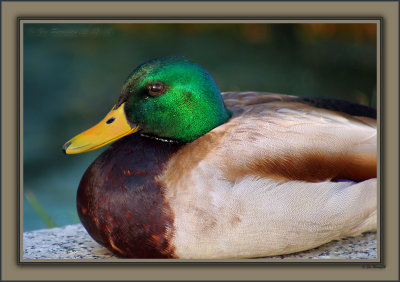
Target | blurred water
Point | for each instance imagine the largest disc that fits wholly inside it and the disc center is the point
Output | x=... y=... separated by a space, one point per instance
x=73 y=74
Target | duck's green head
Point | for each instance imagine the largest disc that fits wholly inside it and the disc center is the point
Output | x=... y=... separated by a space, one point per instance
x=170 y=98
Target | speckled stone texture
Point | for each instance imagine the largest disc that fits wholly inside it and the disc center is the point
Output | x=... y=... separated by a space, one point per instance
x=73 y=242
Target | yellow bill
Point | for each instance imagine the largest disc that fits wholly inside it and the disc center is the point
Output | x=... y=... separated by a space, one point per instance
x=112 y=127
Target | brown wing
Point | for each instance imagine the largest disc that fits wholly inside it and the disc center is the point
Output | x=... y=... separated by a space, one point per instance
x=276 y=136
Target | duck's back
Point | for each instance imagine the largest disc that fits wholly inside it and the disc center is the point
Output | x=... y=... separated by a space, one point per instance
x=281 y=176
x=280 y=137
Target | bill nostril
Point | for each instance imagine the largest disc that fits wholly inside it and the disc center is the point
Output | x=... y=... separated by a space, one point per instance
x=111 y=120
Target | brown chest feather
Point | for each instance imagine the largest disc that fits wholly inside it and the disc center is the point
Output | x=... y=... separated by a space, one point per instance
x=122 y=205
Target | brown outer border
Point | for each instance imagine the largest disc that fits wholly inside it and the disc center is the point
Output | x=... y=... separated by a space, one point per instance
x=21 y=21
x=12 y=271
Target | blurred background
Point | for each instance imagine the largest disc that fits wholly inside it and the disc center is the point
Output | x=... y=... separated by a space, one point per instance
x=73 y=73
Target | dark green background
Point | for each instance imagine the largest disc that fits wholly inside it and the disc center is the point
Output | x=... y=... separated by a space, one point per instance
x=73 y=73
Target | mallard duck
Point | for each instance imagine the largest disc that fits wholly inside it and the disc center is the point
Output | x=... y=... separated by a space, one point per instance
x=212 y=175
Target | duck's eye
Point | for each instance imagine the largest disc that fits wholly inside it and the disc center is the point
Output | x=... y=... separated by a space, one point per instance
x=156 y=88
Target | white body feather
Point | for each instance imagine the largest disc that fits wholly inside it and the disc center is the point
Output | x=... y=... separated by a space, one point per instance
x=263 y=217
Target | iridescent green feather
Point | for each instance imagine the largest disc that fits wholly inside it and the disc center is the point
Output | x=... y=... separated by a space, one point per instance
x=190 y=106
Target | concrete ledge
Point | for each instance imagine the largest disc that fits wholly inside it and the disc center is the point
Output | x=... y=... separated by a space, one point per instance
x=73 y=242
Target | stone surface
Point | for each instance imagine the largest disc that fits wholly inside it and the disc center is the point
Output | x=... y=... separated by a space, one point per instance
x=73 y=242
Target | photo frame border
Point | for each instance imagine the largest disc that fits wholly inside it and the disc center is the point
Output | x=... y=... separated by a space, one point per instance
x=381 y=134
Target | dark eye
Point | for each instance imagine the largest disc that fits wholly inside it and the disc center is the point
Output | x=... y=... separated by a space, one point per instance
x=156 y=88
